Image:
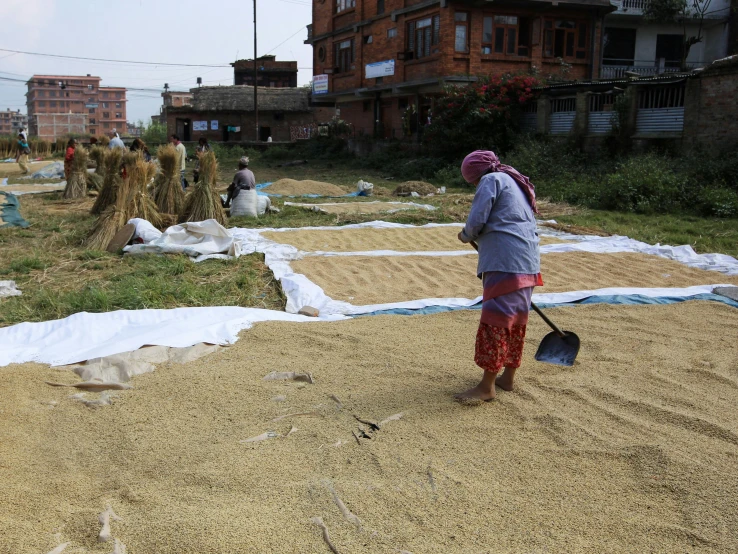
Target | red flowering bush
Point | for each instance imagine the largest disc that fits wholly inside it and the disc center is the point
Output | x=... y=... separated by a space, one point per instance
x=481 y=115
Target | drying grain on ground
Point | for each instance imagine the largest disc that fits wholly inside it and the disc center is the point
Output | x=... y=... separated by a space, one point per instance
x=359 y=207
x=421 y=187
x=291 y=187
x=440 y=239
x=631 y=450
x=365 y=280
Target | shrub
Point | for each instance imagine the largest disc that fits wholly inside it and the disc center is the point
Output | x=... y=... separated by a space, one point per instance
x=720 y=202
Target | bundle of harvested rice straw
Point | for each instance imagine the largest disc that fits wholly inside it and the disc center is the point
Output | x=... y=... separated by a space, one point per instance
x=131 y=201
x=168 y=194
x=203 y=202
x=77 y=184
x=111 y=180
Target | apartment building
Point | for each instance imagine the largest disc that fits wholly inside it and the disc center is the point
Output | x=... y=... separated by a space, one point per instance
x=270 y=73
x=637 y=45
x=11 y=122
x=377 y=58
x=59 y=105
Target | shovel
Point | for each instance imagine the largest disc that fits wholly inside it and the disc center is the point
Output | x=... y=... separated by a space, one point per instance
x=559 y=347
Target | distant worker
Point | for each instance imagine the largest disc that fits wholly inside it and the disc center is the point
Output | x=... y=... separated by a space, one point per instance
x=243 y=180
x=140 y=146
x=115 y=141
x=24 y=134
x=182 y=154
x=69 y=158
x=202 y=147
x=23 y=151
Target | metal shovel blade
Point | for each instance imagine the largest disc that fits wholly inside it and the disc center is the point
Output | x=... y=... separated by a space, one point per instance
x=558 y=350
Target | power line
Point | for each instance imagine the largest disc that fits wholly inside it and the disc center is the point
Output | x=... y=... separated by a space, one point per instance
x=108 y=60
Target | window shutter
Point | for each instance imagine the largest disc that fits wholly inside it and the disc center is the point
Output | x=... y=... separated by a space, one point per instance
x=436 y=29
x=411 y=37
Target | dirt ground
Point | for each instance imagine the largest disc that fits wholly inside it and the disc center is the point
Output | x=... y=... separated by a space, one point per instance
x=13 y=169
x=631 y=450
x=365 y=280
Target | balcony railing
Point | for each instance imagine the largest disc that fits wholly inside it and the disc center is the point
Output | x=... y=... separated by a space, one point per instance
x=616 y=69
x=630 y=7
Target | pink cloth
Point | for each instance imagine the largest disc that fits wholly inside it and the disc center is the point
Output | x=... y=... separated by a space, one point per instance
x=479 y=163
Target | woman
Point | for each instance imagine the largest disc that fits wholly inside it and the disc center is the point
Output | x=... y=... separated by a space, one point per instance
x=502 y=223
x=23 y=151
x=202 y=147
x=69 y=157
x=140 y=146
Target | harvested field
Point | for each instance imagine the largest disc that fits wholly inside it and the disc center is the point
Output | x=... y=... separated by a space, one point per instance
x=13 y=169
x=363 y=240
x=291 y=187
x=31 y=189
x=632 y=450
x=356 y=207
x=365 y=280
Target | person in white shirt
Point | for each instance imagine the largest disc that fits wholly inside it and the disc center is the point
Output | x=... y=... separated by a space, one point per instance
x=115 y=141
x=182 y=152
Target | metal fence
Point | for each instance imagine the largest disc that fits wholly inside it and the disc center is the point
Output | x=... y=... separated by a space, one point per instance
x=601 y=113
x=661 y=110
x=529 y=118
x=563 y=113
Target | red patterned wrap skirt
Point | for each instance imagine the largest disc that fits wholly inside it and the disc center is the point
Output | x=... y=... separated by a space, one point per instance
x=505 y=308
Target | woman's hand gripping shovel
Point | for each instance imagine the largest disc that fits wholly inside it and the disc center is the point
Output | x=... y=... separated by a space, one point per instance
x=559 y=347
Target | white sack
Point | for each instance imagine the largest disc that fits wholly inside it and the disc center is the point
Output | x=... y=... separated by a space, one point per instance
x=263 y=203
x=193 y=239
x=8 y=288
x=245 y=204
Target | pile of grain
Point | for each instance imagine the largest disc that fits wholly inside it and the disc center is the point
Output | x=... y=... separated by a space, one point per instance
x=631 y=450
x=421 y=187
x=357 y=207
x=291 y=187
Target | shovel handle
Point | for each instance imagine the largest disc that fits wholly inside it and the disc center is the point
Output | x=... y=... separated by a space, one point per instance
x=550 y=323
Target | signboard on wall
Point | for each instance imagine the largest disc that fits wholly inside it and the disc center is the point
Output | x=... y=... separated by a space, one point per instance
x=214 y=125
x=320 y=84
x=380 y=69
x=199 y=125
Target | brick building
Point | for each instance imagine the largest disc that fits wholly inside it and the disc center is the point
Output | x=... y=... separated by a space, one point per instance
x=64 y=95
x=12 y=122
x=227 y=114
x=379 y=57
x=271 y=73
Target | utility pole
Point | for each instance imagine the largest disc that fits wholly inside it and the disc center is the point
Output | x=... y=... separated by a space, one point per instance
x=256 y=81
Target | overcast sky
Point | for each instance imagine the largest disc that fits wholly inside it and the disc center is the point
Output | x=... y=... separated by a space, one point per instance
x=213 y=32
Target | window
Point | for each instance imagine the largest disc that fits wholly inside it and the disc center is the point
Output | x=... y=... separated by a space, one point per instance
x=52 y=93
x=392 y=33
x=90 y=87
x=40 y=93
x=41 y=103
x=117 y=104
x=565 y=39
x=92 y=111
x=119 y=95
x=344 y=55
x=368 y=39
x=367 y=106
x=422 y=35
x=104 y=94
x=106 y=115
x=402 y=103
x=52 y=104
x=343 y=5
x=105 y=104
x=93 y=131
x=620 y=46
x=321 y=54
x=106 y=125
x=380 y=7
x=670 y=48
x=92 y=121
x=462 y=31
x=118 y=115
x=507 y=35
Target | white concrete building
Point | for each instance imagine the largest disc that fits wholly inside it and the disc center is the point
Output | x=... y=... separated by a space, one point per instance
x=633 y=44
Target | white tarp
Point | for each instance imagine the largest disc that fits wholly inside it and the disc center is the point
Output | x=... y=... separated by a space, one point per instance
x=8 y=288
x=85 y=336
x=399 y=205
x=197 y=240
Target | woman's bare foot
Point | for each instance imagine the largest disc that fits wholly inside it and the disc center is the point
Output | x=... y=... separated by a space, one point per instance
x=483 y=392
x=505 y=381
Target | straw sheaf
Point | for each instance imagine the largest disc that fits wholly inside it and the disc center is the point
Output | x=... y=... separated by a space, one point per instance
x=77 y=184
x=138 y=202
x=168 y=194
x=111 y=182
x=203 y=202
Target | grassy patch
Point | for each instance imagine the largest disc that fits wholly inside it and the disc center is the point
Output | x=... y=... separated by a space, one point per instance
x=705 y=235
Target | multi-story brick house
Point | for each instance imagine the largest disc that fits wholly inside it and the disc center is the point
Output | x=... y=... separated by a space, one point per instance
x=377 y=58
x=62 y=104
x=270 y=72
x=11 y=122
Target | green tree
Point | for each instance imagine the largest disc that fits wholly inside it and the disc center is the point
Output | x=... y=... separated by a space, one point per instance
x=683 y=12
x=155 y=133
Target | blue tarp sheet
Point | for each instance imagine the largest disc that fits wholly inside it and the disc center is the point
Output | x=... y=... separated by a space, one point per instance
x=10 y=211
x=260 y=190
x=615 y=299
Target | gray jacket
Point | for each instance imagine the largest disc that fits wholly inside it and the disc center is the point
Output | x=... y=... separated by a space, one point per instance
x=502 y=223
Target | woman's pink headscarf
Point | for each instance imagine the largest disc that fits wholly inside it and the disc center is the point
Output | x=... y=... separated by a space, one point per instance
x=479 y=163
